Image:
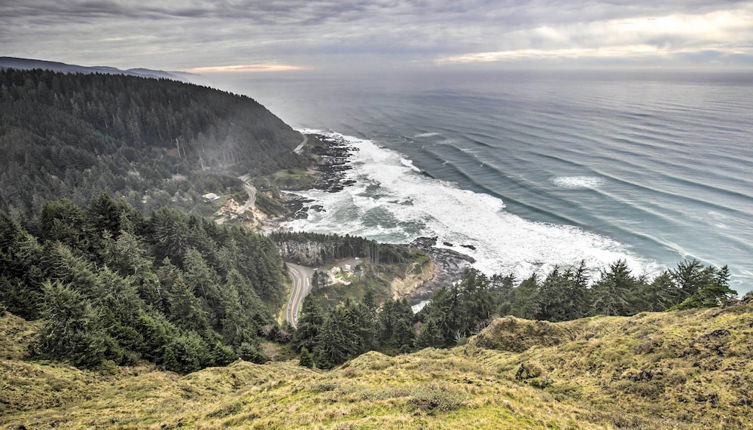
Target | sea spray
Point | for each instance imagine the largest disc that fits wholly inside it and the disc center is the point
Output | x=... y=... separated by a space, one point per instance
x=391 y=201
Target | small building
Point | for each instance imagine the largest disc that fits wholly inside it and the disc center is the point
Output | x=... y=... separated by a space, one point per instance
x=210 y=197
x=347 y=268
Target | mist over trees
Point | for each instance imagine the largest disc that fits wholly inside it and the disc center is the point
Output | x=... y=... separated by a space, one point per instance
x=155 y=142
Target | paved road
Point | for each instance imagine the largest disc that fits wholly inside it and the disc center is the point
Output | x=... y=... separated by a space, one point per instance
x=250 y=190
x=299 y=148
x=301 y=287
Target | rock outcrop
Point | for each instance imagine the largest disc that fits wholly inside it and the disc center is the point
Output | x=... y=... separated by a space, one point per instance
x=448 y=266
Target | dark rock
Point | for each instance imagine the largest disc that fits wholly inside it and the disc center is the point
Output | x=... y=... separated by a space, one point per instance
x=450 y=266
x=527 y=371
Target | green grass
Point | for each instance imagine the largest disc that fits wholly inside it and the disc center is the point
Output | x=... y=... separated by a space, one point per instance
x=296 y=178
x=687 y=370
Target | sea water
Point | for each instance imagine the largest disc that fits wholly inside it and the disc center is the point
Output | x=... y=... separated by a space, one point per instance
x=536 y=169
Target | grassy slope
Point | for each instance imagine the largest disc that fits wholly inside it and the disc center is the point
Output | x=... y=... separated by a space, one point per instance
x=689 y=369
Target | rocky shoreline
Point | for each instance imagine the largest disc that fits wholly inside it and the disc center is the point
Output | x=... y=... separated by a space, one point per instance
x=330 y=157
x=450 y=266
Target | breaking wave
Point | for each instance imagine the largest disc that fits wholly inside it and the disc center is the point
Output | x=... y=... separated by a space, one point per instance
x=391 y=202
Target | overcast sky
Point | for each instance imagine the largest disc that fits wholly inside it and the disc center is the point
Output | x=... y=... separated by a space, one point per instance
x=282 y=36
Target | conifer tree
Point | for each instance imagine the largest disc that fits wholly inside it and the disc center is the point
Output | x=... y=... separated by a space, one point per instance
x=305 y=358
x=614 y=293
x=71 y=331
x=309 y=325
x=525 y=302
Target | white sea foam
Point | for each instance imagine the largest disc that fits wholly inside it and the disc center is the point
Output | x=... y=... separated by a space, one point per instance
x=409 y=164
x=430 y=134
x=576 y=182
x=390 y=202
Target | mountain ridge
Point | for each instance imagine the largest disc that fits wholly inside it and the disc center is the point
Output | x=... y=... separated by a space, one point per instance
x=57 y=66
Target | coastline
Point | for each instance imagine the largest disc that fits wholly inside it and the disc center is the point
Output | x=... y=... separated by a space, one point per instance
x=331 y=158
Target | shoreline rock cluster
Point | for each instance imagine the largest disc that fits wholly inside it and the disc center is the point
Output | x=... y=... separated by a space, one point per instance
x=449 y=264
x=331 y=156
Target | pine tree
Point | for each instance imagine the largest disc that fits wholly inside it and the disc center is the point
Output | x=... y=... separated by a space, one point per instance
x=502 y=289
x=659 y=294
x=613 y=293
x=305 y=358
x=552 y=297
x=71 y=331
x=185 y=309
x=309 y=325
x=690 y=277
x=430 y=335
x=395 y=326
x=526 y=298
x=334 y=344
x=577 y=304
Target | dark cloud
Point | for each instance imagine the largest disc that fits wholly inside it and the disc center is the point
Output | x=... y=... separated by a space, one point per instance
x=326 y=33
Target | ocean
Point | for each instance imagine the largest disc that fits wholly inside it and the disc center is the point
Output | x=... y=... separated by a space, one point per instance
x=536 y=169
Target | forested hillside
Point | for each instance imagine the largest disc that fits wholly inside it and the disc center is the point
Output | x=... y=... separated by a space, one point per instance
x=315 y=249
x=155 y=142
x=114 y=287
x=327 y=336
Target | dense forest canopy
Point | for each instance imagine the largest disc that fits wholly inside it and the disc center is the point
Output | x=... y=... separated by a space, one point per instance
x=116 y=287
x=155 y=142
x=326 y=248
x=327 y=337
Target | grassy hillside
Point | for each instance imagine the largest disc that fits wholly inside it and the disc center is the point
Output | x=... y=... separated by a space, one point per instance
x=688 y=369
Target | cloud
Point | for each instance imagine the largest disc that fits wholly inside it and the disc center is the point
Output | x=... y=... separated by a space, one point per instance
x=248 y=68
x=724 y=32
x=331 y=34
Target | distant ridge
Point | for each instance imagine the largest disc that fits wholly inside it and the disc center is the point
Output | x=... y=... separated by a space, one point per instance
x=28 y=64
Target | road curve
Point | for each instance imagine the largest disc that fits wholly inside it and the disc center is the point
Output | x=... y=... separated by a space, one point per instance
x=298 y=149
x=301 y=287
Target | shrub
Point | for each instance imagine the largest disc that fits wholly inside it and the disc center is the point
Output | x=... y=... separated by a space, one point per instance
x=250 y=352
x=435 y=398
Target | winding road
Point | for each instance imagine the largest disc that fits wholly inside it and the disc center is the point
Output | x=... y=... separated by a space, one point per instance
x=298 y=149
x=301 y=287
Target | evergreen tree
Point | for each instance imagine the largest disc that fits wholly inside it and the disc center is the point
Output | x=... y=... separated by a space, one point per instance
x=186 y=353
x=503 y=288
x=660 y=294
x=309 y=325
x=553 y=297
x=708 y=296
x=71 y=331
x=334 y=344
x=576 y=303
x=185 y=309
x=395 y=326
x=613 y=293
x=251 y=352
x=525 y=302
x=430 y=335
x=305 y=358
x=690 y=276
